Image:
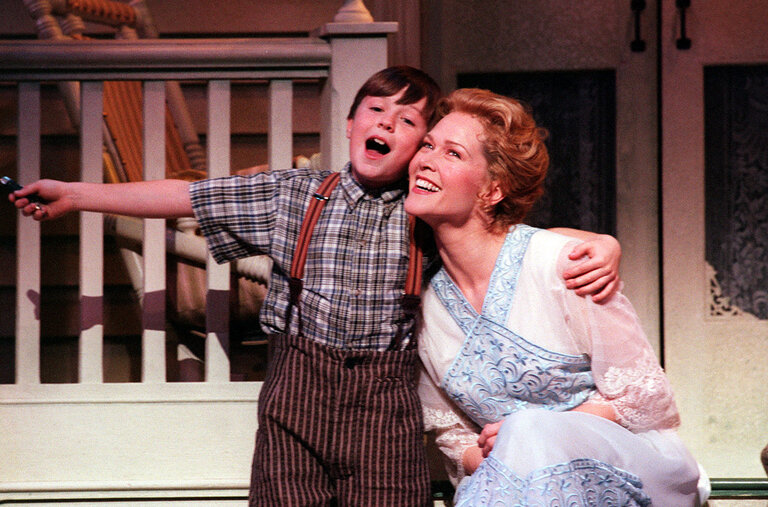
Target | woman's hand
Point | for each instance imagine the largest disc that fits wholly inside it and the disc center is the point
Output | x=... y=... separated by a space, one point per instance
x=488 y=437
x=471 y=459
x=599 y=409
x=475 y=454
x=598 y=275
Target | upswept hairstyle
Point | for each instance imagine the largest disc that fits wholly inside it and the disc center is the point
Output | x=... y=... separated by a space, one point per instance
x=389 y=81
x=514 y=149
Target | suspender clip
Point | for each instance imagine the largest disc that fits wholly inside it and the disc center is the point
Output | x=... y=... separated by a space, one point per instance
x=295 y=286
x=320 y=197
x=410 y=304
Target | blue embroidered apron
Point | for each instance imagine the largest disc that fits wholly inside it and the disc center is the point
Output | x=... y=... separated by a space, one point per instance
x=498 y=372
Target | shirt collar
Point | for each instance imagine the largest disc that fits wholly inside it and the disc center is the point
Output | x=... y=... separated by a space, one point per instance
x=354 y=192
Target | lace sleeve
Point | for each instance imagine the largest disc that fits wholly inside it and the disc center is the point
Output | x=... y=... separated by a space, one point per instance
x=626 y=372
x=453 y=432
x=640 y=395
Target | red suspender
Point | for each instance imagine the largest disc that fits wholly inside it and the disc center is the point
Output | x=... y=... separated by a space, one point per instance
x=411 y=298
x=310 y=220
x=295 y=282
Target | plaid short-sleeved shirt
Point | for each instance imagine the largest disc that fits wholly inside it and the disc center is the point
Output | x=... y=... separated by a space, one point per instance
x=357 y=259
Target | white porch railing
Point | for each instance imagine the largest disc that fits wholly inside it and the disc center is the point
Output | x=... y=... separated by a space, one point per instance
x=152 y=440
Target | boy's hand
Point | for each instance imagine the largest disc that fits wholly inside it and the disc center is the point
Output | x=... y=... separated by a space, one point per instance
x=53 y=200
x=599 y=274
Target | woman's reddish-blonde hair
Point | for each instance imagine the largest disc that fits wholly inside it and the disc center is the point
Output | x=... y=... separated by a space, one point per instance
x=513 y=146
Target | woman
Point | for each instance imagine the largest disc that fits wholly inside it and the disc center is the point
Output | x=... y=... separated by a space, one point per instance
x=574 y=406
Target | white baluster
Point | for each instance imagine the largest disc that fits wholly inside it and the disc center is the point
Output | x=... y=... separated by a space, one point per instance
x=153 y=307
x=217 y=301
x=91 y=239
x=280 y=140
x=28 y=243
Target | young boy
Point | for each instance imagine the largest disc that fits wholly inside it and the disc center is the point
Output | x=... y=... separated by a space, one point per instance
x=339 y=417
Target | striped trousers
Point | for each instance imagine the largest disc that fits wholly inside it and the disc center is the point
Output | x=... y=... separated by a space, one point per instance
x=339 y=428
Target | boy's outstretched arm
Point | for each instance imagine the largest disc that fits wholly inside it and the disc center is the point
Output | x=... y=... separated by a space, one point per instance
x=143 y=199
x=599 y=274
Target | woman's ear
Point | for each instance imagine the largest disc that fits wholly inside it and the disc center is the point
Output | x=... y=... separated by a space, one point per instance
x=493 y=194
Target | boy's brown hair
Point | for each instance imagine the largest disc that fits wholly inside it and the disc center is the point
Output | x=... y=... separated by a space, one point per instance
x=389 y=81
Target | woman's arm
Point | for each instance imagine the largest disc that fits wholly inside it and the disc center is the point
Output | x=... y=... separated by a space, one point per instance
x=454 y=434
x=632 y=388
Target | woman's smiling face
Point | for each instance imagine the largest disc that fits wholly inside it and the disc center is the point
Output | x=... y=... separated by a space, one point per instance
x=449 y=172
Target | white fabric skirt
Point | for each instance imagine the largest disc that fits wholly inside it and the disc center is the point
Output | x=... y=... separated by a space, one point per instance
x=548 y=458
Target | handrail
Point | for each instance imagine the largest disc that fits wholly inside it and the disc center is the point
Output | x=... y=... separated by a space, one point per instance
x=164 y=59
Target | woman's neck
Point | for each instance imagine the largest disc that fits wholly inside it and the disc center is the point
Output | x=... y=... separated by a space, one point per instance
x=469 y=255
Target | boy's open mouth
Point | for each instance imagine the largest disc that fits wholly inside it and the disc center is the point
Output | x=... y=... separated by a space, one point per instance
x=377 y=145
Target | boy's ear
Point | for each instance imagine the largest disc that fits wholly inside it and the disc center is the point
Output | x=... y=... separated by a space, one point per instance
x=350 y=121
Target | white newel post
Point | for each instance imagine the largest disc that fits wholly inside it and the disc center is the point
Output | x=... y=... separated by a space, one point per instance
x=358 y=50
x=353 y=11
